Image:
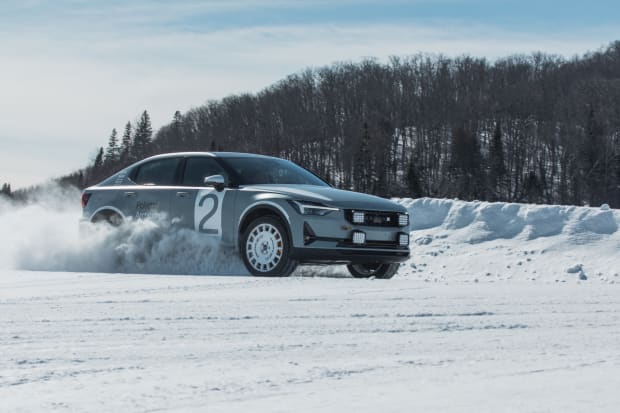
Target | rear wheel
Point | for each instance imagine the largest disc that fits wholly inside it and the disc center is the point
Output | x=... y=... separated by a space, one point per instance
x=383 y=271
x=266 y=247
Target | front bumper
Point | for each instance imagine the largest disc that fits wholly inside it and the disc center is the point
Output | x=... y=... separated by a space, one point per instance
x=329 y=239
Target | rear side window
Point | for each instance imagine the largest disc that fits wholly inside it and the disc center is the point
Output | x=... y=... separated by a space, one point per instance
x=158 y=172
x=197 y=169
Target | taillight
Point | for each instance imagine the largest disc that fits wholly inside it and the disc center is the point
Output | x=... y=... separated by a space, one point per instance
x=85 y=198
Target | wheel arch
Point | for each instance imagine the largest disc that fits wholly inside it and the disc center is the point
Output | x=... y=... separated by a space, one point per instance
x=260 y=209
x=106 y=212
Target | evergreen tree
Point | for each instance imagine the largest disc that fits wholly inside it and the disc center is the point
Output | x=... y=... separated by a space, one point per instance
x=98 y=160
x=497 y=165
x=126 y=144
x=97 y=171
x=177 y=130
x=380 y=186
x=615 y=199
x=363 y=168
x=6 y=189
x=171 y=137
x=466 y=164
x=532 y=188
x=112 y=152
x=142 y=137
x=413 y=181
x=591 y=156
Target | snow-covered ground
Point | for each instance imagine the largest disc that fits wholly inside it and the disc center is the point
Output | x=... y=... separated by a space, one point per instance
x=502 y=307
x=102 y=342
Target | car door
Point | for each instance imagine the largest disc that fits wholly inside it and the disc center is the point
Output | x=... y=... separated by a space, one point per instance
x=156 y=183
x=204 y=209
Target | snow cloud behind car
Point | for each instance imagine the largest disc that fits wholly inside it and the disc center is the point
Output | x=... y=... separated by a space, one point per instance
x=42 y=235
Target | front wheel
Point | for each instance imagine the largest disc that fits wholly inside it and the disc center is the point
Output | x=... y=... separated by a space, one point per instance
x=383 y=271
x=266 y=248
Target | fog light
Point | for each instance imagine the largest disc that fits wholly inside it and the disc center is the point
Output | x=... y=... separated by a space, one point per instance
x=403 y=239
x=359 y=217
x=359 y=237
x=403 y=220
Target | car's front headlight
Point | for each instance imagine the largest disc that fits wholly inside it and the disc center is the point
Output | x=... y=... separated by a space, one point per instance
x=312 y=208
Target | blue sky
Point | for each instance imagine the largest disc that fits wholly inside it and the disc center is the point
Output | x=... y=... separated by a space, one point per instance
x=71 y=70
x=201 y=16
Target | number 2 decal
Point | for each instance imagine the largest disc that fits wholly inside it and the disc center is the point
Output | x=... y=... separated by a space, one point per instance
x=208 y=214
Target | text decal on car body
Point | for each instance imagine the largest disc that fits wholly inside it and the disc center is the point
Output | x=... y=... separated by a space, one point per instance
x=146 y=210
x=208 y=212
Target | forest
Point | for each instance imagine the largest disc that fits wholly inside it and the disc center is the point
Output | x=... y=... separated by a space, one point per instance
x=532 y=128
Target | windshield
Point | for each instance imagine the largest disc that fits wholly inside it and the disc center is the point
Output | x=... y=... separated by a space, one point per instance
x=259 y=171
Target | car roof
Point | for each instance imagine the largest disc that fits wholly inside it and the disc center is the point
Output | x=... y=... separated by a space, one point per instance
x=211 y=154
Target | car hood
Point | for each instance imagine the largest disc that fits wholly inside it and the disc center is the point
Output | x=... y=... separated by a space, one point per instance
x=331 y=196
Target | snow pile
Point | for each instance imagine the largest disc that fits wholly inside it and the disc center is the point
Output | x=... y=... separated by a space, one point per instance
x=476 y=241
x=488 y=221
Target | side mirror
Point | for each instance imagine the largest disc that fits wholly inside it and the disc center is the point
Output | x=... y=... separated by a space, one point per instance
x=216 y=181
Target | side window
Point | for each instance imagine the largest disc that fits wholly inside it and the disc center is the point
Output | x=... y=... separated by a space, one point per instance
x=197 y=169
x=159 y=172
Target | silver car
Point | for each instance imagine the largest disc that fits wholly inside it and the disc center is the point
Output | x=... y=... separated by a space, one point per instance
x=276 y=213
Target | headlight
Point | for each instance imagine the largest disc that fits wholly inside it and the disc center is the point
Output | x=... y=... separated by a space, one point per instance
x=312 y=208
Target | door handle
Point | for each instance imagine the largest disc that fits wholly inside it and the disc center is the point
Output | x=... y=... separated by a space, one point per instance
x=128 y=194
x=182 y=194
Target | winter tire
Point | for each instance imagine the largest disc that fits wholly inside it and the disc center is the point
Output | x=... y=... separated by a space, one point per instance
x=383 y=271
x=265 y=248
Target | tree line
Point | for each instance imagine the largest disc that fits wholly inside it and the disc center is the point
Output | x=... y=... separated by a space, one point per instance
x=527 y=128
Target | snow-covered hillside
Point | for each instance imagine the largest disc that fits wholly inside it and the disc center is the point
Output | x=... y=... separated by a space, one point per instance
x=502 y=307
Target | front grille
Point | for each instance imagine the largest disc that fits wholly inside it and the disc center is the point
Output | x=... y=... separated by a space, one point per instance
x=374 y=218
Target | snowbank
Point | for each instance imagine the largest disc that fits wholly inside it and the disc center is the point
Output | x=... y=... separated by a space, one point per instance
x=487 y=221
x=483 y=240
